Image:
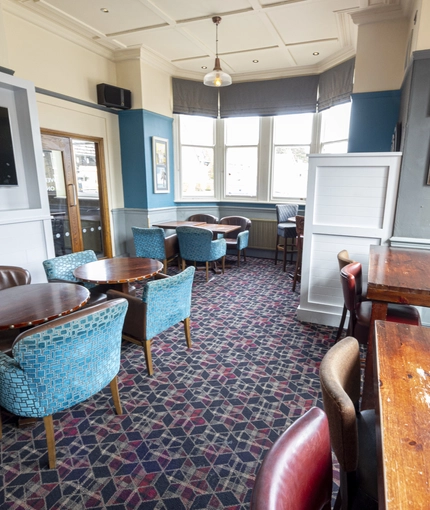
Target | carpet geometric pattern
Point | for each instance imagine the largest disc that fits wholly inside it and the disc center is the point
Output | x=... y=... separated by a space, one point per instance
x=192 y=436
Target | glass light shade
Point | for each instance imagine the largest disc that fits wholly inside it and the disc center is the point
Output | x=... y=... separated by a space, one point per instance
x=217 y=77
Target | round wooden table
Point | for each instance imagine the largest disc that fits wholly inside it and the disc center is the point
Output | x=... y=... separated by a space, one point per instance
x=118 y=272
x=29 y=305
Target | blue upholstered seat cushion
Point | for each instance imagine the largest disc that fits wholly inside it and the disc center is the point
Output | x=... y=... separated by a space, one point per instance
x=61 y=268
x=196 y=244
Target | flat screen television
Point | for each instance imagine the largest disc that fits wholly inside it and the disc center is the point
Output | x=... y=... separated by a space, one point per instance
x=7 y=161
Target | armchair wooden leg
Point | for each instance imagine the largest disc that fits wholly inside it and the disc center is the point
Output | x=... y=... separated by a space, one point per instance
x=165 y=266
x=238 y=258
x=148 y=356
x=244 y=254
x=50 y=440
x=342 y=323
x=276 y=249
x=187 y=332
x=285 y=254
x=183 y=264
x=207 y=271
x=115 y=395
x=223 y=264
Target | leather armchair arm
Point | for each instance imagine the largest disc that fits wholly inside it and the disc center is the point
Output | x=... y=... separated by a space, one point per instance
x=134 y=319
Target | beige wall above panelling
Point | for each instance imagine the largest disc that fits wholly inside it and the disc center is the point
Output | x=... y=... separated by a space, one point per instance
x=156 y=90
x=423 y=28
x=381 y=51
x=54 y=63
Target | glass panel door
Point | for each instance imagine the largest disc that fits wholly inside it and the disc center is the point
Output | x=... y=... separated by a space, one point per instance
x=73 y=171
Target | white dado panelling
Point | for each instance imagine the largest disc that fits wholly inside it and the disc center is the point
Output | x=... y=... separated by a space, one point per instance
x=350 y=205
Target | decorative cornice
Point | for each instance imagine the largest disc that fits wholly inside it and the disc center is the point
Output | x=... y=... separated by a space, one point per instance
x=377 y=13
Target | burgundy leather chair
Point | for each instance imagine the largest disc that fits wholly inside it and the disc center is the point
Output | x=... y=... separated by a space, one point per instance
x=296 y=473
x=207 y=218
x=360 y=311
x=11 y=276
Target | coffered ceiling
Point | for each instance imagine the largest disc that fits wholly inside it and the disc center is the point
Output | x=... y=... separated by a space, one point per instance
x=257 y=38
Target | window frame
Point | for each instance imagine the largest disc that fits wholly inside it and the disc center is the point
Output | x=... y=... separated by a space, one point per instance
x=265 y=171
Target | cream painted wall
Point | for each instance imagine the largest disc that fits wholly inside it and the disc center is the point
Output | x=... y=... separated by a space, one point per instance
x=423 y=26
x=129 y=77
x=156 y=90
x=53 y=63
x=4 y=59
x=380 y=60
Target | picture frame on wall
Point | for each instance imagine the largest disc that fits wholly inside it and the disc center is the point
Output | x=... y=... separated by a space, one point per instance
x=160 y=164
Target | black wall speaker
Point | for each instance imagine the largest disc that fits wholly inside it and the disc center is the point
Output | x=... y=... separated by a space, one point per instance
x=114 y=97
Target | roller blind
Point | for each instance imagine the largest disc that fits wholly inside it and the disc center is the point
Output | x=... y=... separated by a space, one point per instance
x=194 y=98
x=335 y=85
x=270 y=97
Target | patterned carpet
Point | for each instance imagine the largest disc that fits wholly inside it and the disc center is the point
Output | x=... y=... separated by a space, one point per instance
x=192 y=436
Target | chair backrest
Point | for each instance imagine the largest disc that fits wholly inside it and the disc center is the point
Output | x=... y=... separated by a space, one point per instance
x=194 y=243
x=343 y=259
x=350 y=278
x=245 y=224
x=149 y=242
x=12 y=276
x=63 y=362
x=61 y=268
x=285 y=211
x=296 y=473
x=340 y=386
x=168 y=301
x=300 y=226
x=207 y=218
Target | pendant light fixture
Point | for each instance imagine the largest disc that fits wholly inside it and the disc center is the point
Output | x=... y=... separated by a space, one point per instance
x=217 y=77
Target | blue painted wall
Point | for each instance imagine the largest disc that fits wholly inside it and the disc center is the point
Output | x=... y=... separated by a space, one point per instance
x=373 y=118
x=137 y=127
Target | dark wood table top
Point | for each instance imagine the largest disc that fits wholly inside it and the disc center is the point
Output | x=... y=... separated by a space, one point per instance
x=118 y=270
x=396 y=275
x=217 y=228
x=402 y=386
x=175 y=224
x=29 y=305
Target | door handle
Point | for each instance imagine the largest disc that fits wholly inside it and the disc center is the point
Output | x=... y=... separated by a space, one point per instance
x=75 y=200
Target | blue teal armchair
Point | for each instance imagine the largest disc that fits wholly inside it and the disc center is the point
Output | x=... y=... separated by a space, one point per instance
x=165 y=302
x=62 y=363
x=60 y=269
x=196 y=244
x=153 y=244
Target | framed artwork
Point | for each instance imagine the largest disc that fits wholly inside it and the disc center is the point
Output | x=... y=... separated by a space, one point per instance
x=160 y=164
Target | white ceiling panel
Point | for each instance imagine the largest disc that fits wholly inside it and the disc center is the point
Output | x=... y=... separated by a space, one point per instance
x=190 y=9
x=268 y=60
x=169 y=43
x=235 y=33
x=303 y=53
x=308 y=21
x=122 y=15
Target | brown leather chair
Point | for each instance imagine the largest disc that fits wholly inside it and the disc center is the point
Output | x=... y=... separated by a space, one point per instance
x=352 y=433
x=300 y=230
x=296 y=473
x=11 y=276
x=360 y=311
x=206 y=218
x=237 y=240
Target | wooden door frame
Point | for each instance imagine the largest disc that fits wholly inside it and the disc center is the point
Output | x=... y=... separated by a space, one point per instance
x=102 y=181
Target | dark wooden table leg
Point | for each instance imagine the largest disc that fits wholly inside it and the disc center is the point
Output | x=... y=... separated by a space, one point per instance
x=379 y=312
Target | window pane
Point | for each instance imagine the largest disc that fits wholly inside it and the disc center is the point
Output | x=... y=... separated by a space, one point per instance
x=335 y=147
x=197 y=171
x=293 y=129
x=196 y=130
x=335 y=123
x=242 y=131
x=241 y=171
x=290 y=172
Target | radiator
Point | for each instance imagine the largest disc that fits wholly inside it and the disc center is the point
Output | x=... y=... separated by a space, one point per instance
x=263 y=234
